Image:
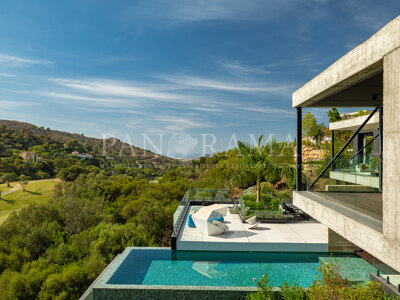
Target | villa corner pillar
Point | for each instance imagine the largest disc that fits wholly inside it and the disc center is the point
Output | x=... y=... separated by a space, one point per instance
x=391 y=146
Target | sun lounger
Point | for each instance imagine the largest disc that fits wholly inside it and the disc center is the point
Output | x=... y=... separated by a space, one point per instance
x=252 y=223
x=235 y=209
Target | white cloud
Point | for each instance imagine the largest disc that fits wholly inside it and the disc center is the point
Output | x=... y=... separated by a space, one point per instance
x=241 y=69
x=112 y=102
x=134 y=124
x=179 y=124
x=10 y=104
x=270 y=110
x=208 y=10
x=372 y=16
x=7 y=75
x=129 y=90
x=208 y=109
x=237 y=86
x=17 y=61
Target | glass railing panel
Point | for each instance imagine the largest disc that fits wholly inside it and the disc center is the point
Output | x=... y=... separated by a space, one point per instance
x=353 y=181
x=178 y=215
x=367 y=179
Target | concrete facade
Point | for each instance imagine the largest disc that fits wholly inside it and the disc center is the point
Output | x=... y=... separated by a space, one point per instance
x=357 y=228
x=337 y=243
x=360 y=75
x=354 y=123
x=391 y=146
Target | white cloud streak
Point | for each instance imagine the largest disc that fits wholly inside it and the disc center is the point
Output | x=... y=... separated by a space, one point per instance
x=134 y=91
x=7 y=75
x=17 y=61
x=231 y=86
x=270 y=110
x=210 y=109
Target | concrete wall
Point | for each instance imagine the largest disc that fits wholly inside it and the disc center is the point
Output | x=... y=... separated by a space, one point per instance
x=351 y=226
x=337 y=243
x=391 y=146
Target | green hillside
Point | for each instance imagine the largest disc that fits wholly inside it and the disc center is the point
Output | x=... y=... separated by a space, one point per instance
x=37 y=192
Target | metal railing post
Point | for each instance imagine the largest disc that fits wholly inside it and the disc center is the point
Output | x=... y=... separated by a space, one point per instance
x=332 y=148
x=299 y=150
x=380 y=146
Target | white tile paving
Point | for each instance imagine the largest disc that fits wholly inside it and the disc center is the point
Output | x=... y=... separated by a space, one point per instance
x=289 y=237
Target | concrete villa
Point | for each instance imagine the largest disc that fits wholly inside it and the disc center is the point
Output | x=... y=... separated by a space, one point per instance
x=217 y=247
x=362 y=208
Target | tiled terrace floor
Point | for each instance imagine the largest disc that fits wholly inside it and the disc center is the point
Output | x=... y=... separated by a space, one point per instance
x=289 y=237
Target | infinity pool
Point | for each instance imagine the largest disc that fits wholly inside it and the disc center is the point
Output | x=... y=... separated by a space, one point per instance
x=164 y=267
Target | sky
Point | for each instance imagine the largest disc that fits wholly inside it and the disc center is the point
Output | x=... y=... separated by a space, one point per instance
x=181 y=78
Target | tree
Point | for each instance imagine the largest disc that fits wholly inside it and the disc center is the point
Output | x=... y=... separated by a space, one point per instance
x=334 y=115
x=71 y=173
x=320 y=133
x=255 y=164
x=310 y=125
x=8 y=177
x=23 y=181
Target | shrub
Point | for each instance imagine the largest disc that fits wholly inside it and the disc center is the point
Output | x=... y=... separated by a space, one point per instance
x=266 y=202
x=330 y=285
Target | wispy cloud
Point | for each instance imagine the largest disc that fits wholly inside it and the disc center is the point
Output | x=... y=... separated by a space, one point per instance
x=210 y=109
x=111 y=102
x=270 y=110
x=129 y=90
x=241 y=69
x=134 y=124
x=18 y=61
x=7 y=75
x=179 y=124
x=237 y=86
x=372 y=16
x=176 y=12
x=10 y=104
x=208 y=10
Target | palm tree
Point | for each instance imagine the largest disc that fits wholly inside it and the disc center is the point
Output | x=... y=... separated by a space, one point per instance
x=255 y=164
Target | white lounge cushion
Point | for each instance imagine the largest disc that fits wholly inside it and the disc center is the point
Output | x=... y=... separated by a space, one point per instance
x=254 y=225
x=221 y=225
x=251 y=220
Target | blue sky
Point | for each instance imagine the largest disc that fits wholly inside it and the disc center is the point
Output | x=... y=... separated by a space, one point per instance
x=185 y=70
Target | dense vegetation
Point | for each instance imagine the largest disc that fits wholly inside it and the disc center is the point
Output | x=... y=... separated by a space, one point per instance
x=48 y=157
x=329 y=285
x=56 y=249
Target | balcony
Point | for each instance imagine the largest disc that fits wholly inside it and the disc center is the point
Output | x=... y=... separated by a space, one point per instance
x=292 y=236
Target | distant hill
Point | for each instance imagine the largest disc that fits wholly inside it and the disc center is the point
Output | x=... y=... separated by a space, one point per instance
x=113 y=146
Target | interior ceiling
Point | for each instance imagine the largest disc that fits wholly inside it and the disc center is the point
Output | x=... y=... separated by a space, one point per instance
x=365 y=93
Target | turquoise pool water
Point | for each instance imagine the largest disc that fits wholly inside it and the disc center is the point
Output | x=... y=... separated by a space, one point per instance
x=166 y=267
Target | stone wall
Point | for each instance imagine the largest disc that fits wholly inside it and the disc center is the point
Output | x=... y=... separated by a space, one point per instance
x=310 y=153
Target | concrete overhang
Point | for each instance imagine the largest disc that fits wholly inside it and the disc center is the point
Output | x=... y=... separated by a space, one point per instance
x=355 y=123
x=355 y=80
x=356 y=227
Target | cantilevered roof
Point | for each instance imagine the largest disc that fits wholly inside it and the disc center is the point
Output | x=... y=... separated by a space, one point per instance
x=355 y=123
x=355 y=80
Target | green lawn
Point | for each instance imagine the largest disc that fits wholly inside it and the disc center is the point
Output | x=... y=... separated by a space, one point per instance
x=4 y=214
x=39 y=191
x=5 y=188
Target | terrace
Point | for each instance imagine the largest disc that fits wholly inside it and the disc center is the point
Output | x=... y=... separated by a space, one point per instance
x=291 y=236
